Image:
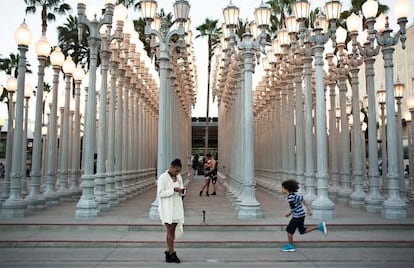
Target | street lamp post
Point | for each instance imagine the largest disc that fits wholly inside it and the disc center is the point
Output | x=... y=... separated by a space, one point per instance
x=394 y=207
x=357 y=198
x=164 y=34
x=322 y=206
x=399 y=88
x=27 y=95
x=301 y=10
x=63 y=191
x=374 y=199
x=249 y=207
x=14 y=206
x=410 y=104
x=87 y=205
x=78 y=75
x=35 y=199
x=56 y=58
x=11 y=84
x=384 y=169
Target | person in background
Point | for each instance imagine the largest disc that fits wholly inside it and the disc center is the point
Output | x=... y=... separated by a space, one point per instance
x=213 y=173
x=170 y=190
x=194 y=165
x=206 y=168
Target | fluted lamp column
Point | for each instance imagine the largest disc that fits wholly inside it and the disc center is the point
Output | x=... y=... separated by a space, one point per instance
x=394 y=207
x=164 y=34
x=14 y=206
x=78 y=75
x=87 y=205
x=28 y=92
x=410 y=105
x=384 y=163
x=56 y=58
x=63 y=191
x=35 y=199
x=11 y=84
x=399 y=89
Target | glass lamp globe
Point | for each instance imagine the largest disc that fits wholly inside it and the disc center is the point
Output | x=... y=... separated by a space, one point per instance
x=11 y=84
x=56 y=57
x=402 y=9
x=231 y=14
x=81 y=2
x=107 y=2
x=68 y=65
x=28 y=91
x=148 y=9
x=410 y=103
x=353 y=22
x=78 y=74
x=43 y=47
x=370 y=9
x=120 y=12
x=23 y=35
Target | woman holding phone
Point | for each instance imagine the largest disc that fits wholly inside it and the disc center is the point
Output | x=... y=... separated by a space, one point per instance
x=170 y=190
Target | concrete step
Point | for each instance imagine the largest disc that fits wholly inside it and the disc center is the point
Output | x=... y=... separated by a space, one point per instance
x=225 y=236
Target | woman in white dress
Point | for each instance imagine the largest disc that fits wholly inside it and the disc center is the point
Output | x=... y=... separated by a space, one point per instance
x=170 y=189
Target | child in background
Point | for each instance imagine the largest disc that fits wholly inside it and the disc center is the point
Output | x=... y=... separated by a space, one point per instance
x=289 y=188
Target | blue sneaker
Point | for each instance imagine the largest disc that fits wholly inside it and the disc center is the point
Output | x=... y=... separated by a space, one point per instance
x=322 y=228
x=288 y=248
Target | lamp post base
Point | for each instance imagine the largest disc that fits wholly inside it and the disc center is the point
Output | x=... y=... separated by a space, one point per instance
x=323 y=209
x=13 y=208
x=374 y=205
x=394 y=209
x=154 y=213
x=86 y=209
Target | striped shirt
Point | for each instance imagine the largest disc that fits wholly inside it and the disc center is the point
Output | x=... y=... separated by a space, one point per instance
x=295 y=202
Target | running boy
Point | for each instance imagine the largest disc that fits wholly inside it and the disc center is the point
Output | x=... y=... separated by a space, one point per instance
x=289 y=188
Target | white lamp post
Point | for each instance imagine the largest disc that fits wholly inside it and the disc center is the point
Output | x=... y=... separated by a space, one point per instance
x=394 y=207
x=164 y=34
x=87 y=205
x=14 y=206
x=78 y=75
x=11 y=85
x=63 y=192
x=35 y=199
x=410 y=105
x=28 y=89
x=56 y=58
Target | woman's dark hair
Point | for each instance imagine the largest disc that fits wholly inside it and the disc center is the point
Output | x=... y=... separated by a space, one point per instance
x=291 y=185
x=176 y=163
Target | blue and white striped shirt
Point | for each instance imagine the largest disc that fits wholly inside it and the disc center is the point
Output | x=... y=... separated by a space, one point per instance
x=295 y=202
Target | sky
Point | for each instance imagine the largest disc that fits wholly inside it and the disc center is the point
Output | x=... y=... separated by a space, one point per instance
x=12 y=14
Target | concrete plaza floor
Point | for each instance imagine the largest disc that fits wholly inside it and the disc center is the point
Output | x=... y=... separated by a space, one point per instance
x=126 y=237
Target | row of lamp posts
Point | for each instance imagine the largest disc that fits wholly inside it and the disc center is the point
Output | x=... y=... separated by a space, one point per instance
x=124 y=162
x=276 y=103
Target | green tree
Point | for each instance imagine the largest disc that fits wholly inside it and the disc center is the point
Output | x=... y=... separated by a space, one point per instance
x=281 y=9
x=136 y=4
x=356 y=7
x=69 y=42
x=48 y=10
x=212 y=31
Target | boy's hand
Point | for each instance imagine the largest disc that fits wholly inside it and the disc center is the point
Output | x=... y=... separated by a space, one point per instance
x=310 y=212
x=288 y=214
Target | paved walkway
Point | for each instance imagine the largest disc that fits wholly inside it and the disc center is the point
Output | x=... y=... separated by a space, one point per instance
x=126 y=237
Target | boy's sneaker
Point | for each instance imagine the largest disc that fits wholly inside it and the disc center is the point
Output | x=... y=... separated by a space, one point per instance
x=288 y=248
x=322 y=228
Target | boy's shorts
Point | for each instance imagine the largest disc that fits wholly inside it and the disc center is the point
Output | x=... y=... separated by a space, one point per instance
x=296 y=223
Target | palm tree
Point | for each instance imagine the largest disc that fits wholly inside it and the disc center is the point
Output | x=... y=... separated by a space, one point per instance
x=356 y=7
x=136 y=4
x=49 y=9
x=281 y=9
x=241 y=27
x=212 y=31
x=68 y=41
x=10 y=66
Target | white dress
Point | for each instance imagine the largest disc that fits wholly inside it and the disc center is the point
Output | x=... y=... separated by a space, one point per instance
x=170 y=203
